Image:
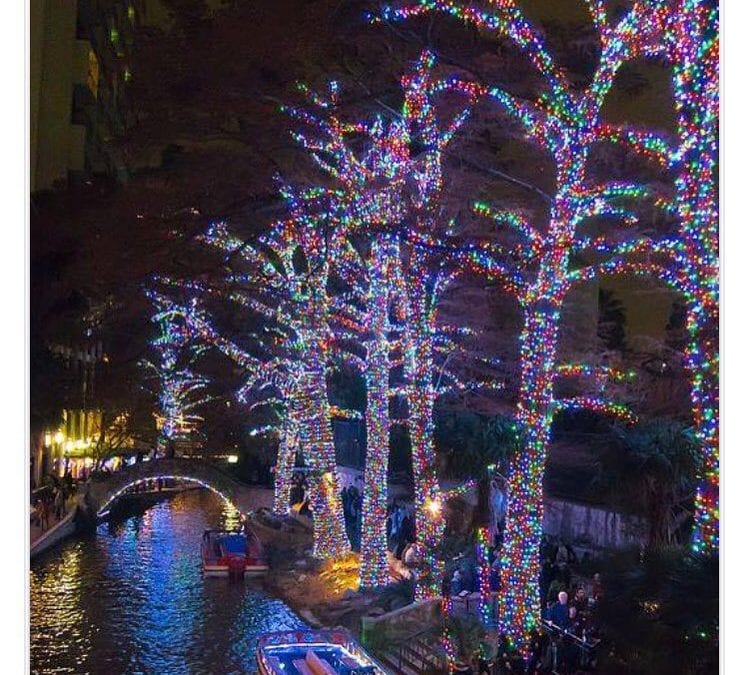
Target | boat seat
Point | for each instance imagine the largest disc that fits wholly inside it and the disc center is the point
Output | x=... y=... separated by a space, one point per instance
x=302 y=667
x=319 y=666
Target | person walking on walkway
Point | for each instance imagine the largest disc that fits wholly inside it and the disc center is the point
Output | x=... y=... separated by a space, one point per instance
x=59 y=504
x=44 y=516
x=38 y=509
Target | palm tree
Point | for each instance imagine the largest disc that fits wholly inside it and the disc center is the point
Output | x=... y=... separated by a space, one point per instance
x=668 y=604
x=650 y=470
x=469 y=442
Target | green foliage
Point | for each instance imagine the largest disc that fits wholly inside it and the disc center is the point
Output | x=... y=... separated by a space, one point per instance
x=469 y=442
x=650 y=470
x=661 y=615
x=466 y=633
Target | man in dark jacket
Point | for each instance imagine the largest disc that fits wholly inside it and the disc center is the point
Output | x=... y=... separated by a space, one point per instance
x=558 y=613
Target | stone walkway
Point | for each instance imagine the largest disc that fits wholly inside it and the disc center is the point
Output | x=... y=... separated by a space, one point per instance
x=35 y=531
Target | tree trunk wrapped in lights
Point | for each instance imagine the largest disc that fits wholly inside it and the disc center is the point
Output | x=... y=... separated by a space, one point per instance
x=315 y=434
x=180 y=388
x=419 y=365
x=376 y=187
x=567 y=125
x=693 y=49
x=520 y=599
x=285 y=462
x=374 y=545
x=291 y=352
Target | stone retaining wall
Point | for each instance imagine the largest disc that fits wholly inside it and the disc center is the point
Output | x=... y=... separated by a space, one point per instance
x=54 y=535
x=591 y=527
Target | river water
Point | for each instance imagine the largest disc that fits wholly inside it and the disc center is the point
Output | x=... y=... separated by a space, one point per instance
x=132 y=599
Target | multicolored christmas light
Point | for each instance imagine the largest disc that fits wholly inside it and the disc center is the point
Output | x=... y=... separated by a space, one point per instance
x=374 y=545
x=289 y=353
x=692 y=41
x=567 y=125
x=181 y=391
x=484 y=574
x=380 y=188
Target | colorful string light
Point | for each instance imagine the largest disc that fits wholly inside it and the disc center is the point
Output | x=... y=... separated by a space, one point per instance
x=391 y=198
x=180 y=388
x=567 y=125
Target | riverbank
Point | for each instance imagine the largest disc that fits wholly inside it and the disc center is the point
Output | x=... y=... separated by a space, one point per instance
x=42 y=540
x=324 y=594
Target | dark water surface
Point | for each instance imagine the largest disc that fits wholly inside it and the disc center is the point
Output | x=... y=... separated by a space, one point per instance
x=131 y=599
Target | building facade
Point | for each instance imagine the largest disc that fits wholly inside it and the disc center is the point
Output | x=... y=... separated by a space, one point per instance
x=79 y=70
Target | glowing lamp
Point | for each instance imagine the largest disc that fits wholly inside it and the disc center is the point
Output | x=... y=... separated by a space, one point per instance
x=59 y=437
x=47 y=440
x=433 y=507
x=232 y=459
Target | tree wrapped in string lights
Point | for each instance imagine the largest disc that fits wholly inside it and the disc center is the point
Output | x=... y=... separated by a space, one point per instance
x=689 y=265
x=283 y=289
x=180 y=390
x=395 y=180
x=692 y=40
x=567 y=124
x=384 y=331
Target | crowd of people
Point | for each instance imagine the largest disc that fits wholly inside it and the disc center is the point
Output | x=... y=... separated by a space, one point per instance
x=565 y=642
x=49 y=503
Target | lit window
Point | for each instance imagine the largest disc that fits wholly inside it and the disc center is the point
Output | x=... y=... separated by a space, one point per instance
x=127 y=74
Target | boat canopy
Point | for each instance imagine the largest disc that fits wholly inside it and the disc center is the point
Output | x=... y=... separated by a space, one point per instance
x=234 y=543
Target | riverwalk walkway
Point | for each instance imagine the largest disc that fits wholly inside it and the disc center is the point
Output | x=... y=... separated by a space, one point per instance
x=40 y=540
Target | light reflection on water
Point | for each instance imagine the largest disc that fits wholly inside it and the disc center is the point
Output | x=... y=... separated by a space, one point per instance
x=131 y=599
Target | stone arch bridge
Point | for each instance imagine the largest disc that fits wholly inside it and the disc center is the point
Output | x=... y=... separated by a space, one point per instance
x=104 y=489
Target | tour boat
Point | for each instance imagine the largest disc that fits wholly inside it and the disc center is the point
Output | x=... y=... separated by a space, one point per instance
x=232 y=553
x=314 y=652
